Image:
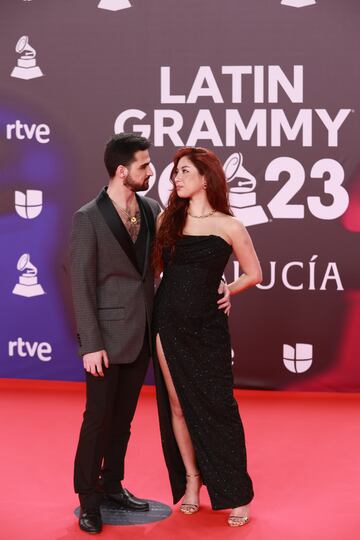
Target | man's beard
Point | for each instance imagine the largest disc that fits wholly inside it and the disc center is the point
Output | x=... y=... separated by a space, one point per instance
x=133 y=186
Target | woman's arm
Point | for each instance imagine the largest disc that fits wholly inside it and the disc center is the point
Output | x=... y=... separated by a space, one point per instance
x=246 y=255
x=159 y=219
x=158 y=222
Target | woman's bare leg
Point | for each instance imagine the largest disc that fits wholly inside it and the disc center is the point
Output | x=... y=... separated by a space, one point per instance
x=181 y=432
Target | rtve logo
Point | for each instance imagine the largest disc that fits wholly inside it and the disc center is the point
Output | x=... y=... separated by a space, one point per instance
x=114 y=5
x=21 y=131
x=29 y=205
x=41 y=350
x=298 y=359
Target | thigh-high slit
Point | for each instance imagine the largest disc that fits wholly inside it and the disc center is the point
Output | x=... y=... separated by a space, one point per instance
x=196 y=343
x=179 y=425
x=205 y=427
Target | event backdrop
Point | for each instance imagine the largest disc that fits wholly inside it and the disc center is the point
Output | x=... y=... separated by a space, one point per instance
x=271 y=86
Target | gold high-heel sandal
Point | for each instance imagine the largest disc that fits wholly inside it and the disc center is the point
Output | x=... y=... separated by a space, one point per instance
x=190 y=508
x=238 y=521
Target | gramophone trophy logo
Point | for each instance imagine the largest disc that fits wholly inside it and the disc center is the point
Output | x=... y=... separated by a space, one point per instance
x=298 y=3
x=242 y=197
x=28 y=205
x=114 y=5
x=26 y=67
x=28 y=285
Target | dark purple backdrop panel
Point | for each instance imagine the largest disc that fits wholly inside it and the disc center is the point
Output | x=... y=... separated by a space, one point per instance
x=271 y=87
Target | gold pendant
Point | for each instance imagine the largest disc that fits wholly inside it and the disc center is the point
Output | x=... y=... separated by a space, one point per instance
x=133 y=220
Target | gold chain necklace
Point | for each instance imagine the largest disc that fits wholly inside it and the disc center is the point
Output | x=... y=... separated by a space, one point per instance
x=132 y=219
x=203 y=216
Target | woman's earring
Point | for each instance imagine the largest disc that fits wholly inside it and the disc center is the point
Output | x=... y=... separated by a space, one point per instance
x=205 y=185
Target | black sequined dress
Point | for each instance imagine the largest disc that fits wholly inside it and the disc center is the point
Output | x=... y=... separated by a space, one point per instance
x=196 y=342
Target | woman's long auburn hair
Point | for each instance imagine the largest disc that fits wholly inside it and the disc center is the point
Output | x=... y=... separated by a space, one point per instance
x=174 y=216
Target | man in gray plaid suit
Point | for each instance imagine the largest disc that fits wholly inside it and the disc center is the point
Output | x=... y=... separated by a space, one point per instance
x=113 y=288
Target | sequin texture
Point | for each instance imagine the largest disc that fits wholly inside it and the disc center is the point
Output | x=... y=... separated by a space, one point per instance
x=195 y=338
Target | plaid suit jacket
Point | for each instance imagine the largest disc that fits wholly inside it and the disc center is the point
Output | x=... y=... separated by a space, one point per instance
x=113 y=300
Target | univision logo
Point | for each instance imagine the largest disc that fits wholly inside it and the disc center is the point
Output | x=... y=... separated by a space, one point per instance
x=29 y=204
x=298 y=359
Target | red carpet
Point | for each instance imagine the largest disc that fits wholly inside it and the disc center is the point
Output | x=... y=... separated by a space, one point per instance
x=303 y=452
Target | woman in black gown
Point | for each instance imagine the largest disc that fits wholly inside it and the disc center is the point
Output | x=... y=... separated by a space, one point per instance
x=202 y=434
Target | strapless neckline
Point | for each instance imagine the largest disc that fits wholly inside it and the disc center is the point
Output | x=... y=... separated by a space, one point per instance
x=207 y=236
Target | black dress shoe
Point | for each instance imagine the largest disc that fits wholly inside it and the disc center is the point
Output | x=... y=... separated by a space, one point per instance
x=125 y=499
x=90 y=521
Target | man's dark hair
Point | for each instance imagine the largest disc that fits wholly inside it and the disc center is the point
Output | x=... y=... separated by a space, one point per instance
x=121 y=149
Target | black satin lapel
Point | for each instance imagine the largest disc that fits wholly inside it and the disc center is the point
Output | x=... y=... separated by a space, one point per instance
x=150 y=227
x=116 y=226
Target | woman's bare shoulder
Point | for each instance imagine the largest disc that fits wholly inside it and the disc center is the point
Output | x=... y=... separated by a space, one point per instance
x=231 y=224
x=159 y=219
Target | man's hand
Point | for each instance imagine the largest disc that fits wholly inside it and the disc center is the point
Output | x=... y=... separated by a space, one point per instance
x=224 y=302
x=93 y=362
